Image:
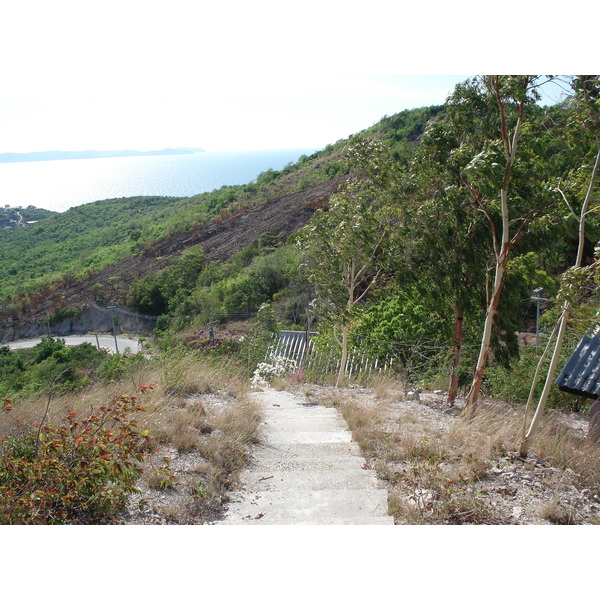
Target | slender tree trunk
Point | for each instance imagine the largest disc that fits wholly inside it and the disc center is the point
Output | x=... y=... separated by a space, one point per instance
x=510 y=148
x=344 y=359
x=535 y=380
x=473 y=395
x=459 y=316
x=537 y=417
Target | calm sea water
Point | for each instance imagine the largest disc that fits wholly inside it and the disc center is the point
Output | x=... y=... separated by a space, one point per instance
x=61 y=184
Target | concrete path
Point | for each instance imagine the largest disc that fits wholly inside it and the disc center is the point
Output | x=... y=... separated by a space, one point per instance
x=308 y=471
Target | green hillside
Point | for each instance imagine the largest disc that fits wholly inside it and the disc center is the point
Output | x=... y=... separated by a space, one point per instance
x=90 y=237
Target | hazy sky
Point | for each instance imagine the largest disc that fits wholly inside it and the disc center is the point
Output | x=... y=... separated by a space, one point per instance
x=228 y=75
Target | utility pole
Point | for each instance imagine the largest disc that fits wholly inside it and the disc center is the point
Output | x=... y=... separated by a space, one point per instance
x=94 y=325
x=537 y=298
x=112 y=318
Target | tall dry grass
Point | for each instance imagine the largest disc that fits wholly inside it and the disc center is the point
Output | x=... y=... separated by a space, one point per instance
x=198 y=408
x=203 y=407
x=435 y=464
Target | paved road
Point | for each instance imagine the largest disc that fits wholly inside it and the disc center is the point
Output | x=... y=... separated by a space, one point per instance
x=106 y=341
x=308 y=471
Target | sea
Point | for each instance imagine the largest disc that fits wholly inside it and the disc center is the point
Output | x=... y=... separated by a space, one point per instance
x=58 y=185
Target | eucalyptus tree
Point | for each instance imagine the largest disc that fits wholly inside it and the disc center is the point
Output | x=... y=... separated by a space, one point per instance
x=500 y=178
x=586 y=114
x=346 y=243
x=450 y=235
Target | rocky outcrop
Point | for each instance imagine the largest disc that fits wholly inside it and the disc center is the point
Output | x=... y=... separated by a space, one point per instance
x=92 y=319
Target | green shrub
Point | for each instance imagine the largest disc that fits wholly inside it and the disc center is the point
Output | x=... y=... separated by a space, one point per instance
x=513 y=384
x=78 y=472
x=117 y=366
x=49 y=364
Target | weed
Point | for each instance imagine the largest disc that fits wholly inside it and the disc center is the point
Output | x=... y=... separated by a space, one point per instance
x=556 y=513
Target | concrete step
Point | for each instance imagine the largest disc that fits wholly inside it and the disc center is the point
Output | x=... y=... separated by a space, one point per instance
x=272 y=520
x=310 y=480
x=273 y=437
x=302 y=465
x=302 y=422
x=312 y=505
x=307 y=450
x=294 y=412
x=307 y=471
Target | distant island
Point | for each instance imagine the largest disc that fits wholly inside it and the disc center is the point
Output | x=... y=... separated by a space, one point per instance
x=68 y=155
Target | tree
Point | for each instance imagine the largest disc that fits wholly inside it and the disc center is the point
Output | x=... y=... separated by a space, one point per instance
x=491 y=174
x=346 y=243
x=451 y=245
x=587 y=104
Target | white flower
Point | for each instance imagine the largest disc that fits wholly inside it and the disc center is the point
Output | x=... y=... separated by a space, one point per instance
x=267 y=371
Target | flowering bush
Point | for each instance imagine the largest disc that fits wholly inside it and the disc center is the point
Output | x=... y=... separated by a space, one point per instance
x=265 y=372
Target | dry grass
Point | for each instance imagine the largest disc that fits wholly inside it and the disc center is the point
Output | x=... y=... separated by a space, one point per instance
x=385 y=387
x=556 y=513
x=199 y=415
x=555 y=444
x=209 y=426
x=441 y=469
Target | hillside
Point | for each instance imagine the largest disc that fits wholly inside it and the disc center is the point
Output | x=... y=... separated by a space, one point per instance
x=220 y=239
x=438 y=242
x=13 y=217
x=97 y=251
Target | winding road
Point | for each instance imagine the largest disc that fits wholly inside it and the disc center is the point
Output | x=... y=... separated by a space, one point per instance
x=106 y=342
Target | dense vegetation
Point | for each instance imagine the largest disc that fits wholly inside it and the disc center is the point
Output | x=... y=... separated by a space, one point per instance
x=51 y=365
x=87 y=238
x=11 y=218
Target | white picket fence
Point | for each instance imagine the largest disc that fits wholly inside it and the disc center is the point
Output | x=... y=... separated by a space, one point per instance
x=293 y=345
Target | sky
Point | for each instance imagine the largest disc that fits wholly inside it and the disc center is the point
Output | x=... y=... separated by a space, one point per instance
x=233 y=75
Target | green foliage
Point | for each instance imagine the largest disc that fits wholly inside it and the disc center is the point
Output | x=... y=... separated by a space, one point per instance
x=93 y=236
x=414 y=216
x=80 y=471
x=116 y=367
x=147 y=297
x=400 y=322
x=512 y=383
x=346 y=244
x=155 y=295
x=52 y=365
x=12 y=217
x=240 y=285
x=404 y=130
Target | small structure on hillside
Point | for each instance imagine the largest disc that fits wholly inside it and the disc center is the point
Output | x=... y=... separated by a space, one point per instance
x=581 y=376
